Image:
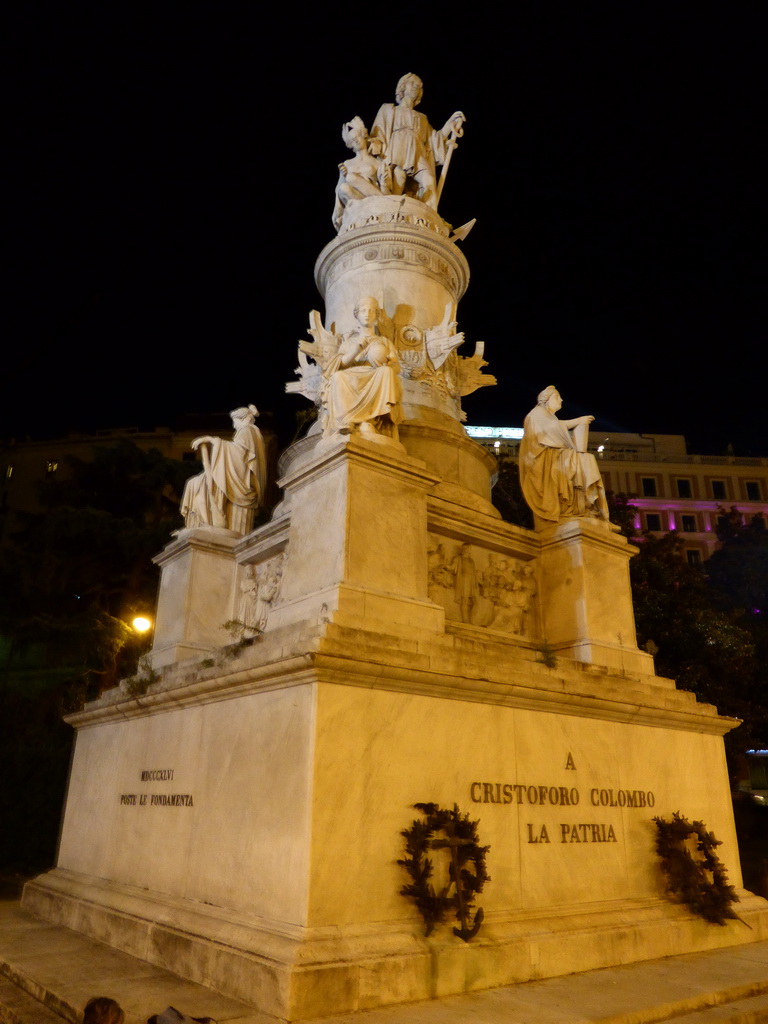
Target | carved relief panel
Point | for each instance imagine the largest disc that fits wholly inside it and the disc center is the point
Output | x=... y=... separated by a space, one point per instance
x=259 y=590
x=482 y=588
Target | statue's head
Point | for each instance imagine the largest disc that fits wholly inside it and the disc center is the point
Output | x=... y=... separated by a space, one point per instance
x=366 y=311
x=550 y=397
x=412 y=84
x=246 y=413
x=354 y=131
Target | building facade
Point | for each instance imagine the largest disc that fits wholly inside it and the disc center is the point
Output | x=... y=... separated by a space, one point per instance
x=672 y=490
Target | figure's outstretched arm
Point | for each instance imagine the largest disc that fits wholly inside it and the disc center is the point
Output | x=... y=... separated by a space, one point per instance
x=202 y=440
x=570 y=424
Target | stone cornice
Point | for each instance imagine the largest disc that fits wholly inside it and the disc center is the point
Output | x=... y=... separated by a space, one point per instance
x=450 y=667
x=385 y=244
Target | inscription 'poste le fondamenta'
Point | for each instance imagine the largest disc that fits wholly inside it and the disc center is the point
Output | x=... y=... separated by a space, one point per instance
x=157 y=799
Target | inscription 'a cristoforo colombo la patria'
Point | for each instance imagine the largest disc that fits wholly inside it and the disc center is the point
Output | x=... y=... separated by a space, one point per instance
x=557 y=796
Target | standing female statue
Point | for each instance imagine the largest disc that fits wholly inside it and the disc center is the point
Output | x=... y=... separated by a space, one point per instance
x=232 y=484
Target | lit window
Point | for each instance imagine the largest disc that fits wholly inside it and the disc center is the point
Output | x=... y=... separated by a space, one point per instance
x=653 y=521
x=50 y=467
x=649 y=487
x=693 y=556
x=689 y=524
x=683 y=488
x=753 y=490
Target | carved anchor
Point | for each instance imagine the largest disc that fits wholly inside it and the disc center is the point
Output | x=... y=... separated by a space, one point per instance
x=454 y=842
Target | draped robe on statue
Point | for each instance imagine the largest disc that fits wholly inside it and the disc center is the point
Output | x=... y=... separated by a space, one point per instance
x=558 y=480
x=232 y=483
x=365 y=391
x=410 y=140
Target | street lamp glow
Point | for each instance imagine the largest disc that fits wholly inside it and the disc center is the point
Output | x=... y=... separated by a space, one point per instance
x=141 y=625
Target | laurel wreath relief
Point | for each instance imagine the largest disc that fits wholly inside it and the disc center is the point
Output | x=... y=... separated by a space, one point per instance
x=699 y=881
x=459 y=836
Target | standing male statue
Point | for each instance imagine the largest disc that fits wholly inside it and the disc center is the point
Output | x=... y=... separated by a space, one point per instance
x=412 y=148
x=559 y=477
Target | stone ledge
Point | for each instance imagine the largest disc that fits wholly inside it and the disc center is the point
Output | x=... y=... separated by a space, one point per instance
x=452 y=666
x=380 y=965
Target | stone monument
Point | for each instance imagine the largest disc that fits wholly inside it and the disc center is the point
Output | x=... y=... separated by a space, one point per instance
x=242 y=812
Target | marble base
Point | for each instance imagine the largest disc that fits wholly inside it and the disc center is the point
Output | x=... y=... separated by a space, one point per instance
x=297 y=978
x=586 y=596
x=266 y=864
x=240 y=821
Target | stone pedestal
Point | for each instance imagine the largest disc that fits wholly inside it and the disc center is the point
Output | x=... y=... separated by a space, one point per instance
x=195 y=592
x=249 y=817
x=356 y=538
x=586 y=597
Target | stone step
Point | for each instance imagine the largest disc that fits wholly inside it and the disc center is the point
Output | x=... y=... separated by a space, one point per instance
x=48 y=973
x=740 y=1011
x=18 y=1007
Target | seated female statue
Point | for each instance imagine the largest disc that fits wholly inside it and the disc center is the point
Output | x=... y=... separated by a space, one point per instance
x=559 y=477
x=362 y=388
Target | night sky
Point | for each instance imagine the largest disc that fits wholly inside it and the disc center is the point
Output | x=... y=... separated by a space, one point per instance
x=172 y=169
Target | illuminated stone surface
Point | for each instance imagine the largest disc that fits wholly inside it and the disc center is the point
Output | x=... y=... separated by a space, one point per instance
x=236 y=816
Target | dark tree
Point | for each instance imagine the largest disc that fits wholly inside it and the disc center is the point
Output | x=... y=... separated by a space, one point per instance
x=508 y=495
x=71 y=577
x=739 y=569
x=622 y=512
x=738 y=576
x=696 y=642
